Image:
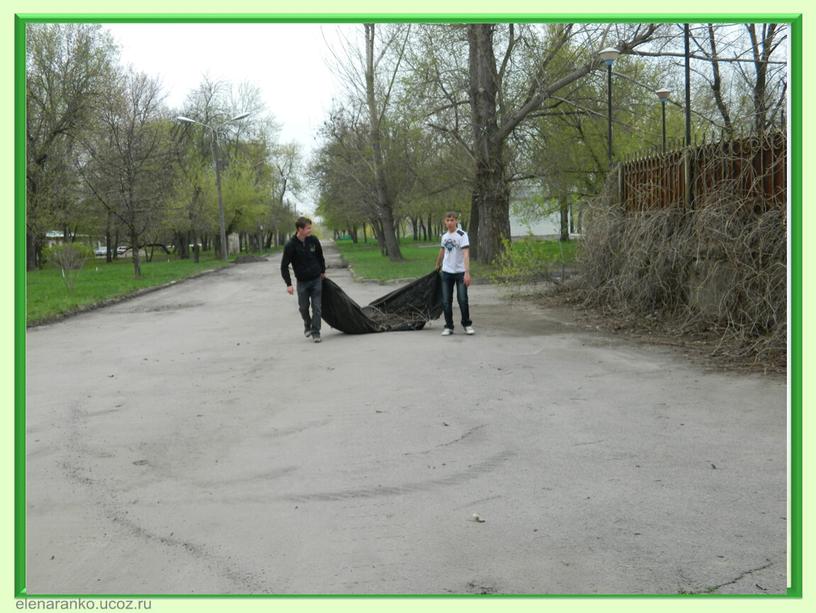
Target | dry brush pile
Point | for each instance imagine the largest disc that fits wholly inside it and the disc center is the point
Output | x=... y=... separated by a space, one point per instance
x=718 y=268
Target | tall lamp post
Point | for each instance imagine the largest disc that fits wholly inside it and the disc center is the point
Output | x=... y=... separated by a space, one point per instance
x=608 y=56
x=687 y=53
x=663 y=95
x=214 y=149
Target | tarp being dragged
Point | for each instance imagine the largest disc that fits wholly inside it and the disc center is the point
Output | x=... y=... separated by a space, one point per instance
x=408 y=308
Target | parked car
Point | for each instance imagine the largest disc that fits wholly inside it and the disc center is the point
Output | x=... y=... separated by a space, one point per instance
x=102 y=251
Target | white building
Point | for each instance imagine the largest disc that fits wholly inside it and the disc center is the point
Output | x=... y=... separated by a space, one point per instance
x=530 y=215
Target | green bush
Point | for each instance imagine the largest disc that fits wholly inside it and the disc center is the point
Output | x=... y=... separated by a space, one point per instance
x=529 y=260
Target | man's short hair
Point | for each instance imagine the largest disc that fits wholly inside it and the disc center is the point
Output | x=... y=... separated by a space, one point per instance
x=453 y=214
x=302 y=222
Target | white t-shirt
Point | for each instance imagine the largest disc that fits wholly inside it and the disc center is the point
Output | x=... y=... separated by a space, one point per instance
x=453 y=243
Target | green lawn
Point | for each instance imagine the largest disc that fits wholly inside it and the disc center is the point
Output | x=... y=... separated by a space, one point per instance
x=368 y=263
x=98 y=281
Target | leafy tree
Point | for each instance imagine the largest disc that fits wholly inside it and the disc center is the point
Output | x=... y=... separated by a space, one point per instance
x=512 y=71
x=68 y=72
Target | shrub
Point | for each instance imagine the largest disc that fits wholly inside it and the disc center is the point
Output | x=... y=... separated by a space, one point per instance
x=69 y=259
x=530 y=260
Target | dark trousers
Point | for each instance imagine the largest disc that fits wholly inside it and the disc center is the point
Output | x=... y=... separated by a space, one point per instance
x=306 y=291
x=450 y=279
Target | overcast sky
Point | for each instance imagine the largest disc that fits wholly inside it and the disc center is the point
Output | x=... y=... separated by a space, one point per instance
x=288 y=62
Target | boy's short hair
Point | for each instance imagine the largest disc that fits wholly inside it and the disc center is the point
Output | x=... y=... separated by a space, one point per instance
x=302 y=222
x=453 y=214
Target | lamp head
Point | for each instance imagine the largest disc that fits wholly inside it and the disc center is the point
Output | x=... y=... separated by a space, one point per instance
x=609 y=55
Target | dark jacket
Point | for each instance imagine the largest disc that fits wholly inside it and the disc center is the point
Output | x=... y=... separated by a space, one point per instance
x=306 y=258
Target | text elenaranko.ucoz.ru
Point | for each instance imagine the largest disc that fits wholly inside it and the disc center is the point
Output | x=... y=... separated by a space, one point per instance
x=82 y=604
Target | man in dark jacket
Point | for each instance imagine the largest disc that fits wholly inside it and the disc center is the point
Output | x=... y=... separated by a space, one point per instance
x=305 y=254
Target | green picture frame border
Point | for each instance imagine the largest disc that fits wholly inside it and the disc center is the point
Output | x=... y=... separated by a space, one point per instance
x=795 y=228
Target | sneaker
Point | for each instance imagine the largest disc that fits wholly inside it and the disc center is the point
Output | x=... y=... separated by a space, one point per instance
x=307 y=333
x=469 y=330
x=447 y=332
x=316 y=338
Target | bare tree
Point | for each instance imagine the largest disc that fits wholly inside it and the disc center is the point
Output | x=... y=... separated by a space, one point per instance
x=370 y=78
x=127 y=167
x=376 y=111
x=762 y=47
x=722 y=59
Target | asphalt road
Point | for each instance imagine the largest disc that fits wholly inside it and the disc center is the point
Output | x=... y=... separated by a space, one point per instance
x=192 y=441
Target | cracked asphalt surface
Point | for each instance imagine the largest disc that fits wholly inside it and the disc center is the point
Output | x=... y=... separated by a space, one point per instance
x=192 y=441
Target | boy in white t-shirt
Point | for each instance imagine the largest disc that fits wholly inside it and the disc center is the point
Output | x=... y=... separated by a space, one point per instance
x=454 y=261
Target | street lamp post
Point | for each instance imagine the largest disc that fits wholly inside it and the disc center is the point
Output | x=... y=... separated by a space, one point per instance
x=687 y=53
x=663 y=95
x=215 y=156
x=608 y=56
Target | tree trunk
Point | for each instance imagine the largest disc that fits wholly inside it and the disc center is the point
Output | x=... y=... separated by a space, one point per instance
x=108 y=237
x=490 y=202
x=378 y=234
x=761 y=50
x=473 y=234
x=493 y=212
x=716 y=84
x=384 y=203
x=134 y=247
x=182 y=249
x=563 y=205
x=116 y=245
x=31 y=251
x=365 y=234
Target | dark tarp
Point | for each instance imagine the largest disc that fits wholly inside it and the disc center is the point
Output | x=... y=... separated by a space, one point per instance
x=407 y=308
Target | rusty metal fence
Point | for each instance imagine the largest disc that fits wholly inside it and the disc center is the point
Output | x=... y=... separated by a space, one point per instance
x=752 y=166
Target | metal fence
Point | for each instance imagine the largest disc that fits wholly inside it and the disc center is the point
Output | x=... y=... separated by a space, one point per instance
x=746 y=167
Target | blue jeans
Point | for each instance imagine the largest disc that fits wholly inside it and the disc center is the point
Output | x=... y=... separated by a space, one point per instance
x=306 y=291
x=449 y=279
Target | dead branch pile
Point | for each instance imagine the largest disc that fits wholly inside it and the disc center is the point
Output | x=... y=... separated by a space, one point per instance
x=719 y=267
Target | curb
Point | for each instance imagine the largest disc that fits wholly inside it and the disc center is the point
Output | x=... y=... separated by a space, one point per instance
x=85 y=308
